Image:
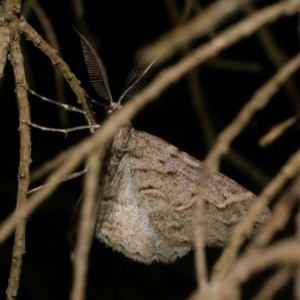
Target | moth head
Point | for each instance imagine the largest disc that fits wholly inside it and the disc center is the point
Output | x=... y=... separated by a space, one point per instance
x=112 y=108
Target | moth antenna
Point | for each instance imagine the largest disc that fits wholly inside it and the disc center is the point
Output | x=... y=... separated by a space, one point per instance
x=95 y=69
x=136 y=80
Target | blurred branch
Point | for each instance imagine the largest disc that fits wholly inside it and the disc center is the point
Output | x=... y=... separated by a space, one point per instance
x=278 y=130
x=86 y=224
x=274 y=284
x=78 y=11
x=282 y=209
x=52 y=39
x=297 y=269
x=251 y=170
x=278 y=58
x=203 y=23
x=259 y=101
x=234 y=65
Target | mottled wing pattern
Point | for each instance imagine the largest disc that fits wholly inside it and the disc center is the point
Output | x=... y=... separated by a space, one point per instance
x=147 y=196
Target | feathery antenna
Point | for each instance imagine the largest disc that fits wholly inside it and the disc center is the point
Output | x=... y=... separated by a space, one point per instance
x=95 y=69
x=135 y=81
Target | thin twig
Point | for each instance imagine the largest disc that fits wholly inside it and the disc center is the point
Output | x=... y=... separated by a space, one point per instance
x=25 y=159
x=62 y=130
x=65 y=106
x=274 y=284
x=65 y=178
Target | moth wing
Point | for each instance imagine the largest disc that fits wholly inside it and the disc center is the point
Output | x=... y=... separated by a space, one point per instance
x=124 y=221
x=169 y=187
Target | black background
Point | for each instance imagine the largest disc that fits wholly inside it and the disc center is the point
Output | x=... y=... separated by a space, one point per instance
x=122 y=27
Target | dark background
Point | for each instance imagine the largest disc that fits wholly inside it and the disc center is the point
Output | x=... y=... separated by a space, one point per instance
x=121 y=28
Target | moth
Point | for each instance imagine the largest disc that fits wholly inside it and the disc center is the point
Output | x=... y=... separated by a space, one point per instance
x=147 y=189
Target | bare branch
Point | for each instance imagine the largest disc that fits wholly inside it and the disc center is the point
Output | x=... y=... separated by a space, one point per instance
x=25 y=159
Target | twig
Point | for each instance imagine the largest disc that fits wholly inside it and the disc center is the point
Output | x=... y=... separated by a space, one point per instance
x=278 y=130
x=37 y=40
x=62 y=130
x=259 y=100
x=65 y=106
x=86 y=226
x=25 y=159
x=274 y=284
